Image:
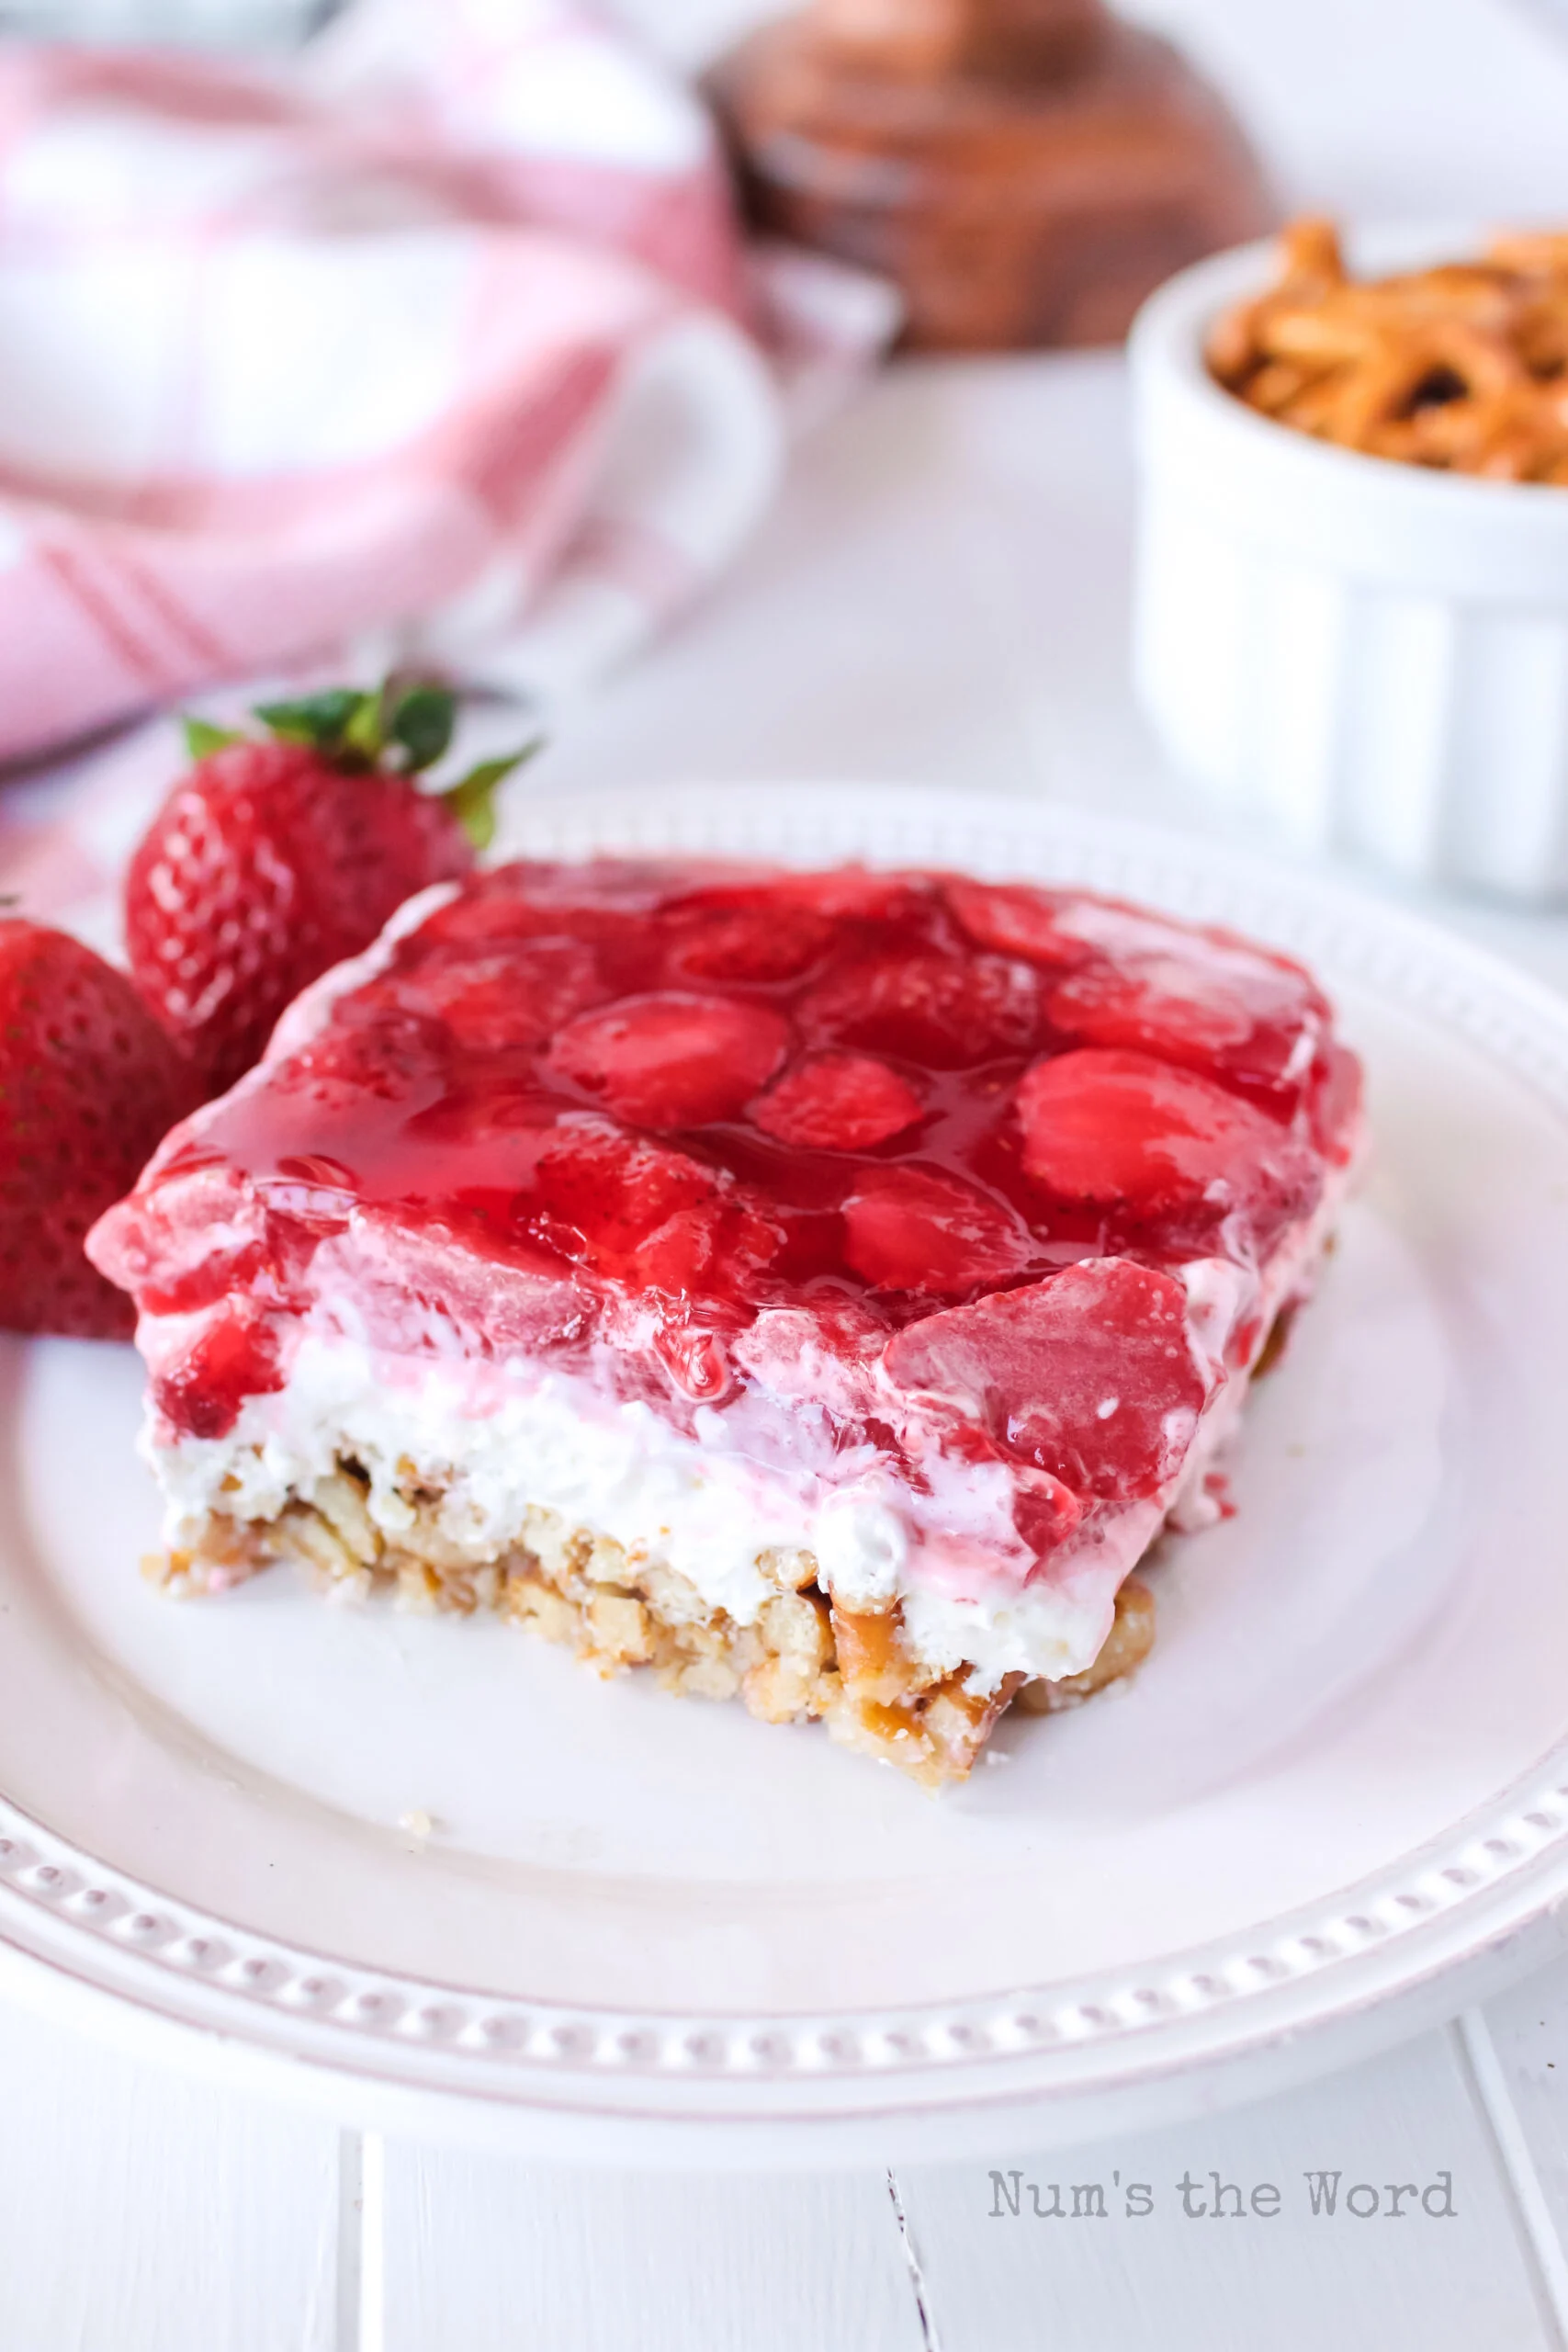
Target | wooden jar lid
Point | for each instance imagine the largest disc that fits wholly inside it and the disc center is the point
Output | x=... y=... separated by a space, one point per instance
x=1025 y=171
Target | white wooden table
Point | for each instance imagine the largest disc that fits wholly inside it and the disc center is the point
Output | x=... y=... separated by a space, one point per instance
x=939 y=597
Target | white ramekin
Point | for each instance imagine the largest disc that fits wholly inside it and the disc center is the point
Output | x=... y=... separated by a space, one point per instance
x=1371 y=656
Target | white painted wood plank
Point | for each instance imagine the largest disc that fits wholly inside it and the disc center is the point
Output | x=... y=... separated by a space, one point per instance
x=484 y=2256
x=141 y=2211
x=1490 y=2084
x=1529 y=2031
x=1287 y=2279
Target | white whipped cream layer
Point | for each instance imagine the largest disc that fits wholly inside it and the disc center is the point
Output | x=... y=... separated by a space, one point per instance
x=763 y=1474
x=699 y=1504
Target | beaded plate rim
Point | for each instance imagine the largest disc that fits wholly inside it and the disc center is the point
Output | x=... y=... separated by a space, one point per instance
x=1475 y=1888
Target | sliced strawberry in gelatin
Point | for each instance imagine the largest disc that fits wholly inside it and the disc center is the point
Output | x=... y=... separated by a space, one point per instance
x=608 y=904
x=1045 y=1511
x=1016 y=919
x=234 y=1355
x=617 y=1190
x=717 y=1249
x=837 y=1102
x=940 y=1010
x=673 y=1061
x=1131 y=979
x=480 y=1109
x=858 y=894
x=745 y=936
x=480 y=918
x=492 y=1003
x=1206 y=1006
x=1165 y=1005
x=646 y=1214
x=917 y=1229
x=1123 y=1130
x=1088 y=1375
x=367 y=1056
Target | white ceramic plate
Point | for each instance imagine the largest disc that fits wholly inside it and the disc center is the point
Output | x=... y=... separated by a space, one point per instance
x=642 y=1927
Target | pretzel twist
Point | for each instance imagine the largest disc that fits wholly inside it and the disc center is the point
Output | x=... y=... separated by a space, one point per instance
x=1463 y=367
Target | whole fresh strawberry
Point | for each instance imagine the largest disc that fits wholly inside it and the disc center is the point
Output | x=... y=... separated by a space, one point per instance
x=89 y=1086
x=276 y=857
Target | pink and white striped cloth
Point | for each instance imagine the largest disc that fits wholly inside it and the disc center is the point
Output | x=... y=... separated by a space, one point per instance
x=442 y=343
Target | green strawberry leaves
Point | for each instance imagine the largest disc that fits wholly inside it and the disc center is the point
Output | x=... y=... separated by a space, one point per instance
x=202 y=738
x=402 y=727
x=420 y=722
x=472 y=798
x=321 y=720
x=405 y=728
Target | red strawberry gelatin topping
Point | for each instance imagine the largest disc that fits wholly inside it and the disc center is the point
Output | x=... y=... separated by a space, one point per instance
x=837 y=1102
x=924 y=1230
x=670 y=1061
x=974 y=1132
x=1140 y=1135
x=1090 y=1376
x=234 y=1355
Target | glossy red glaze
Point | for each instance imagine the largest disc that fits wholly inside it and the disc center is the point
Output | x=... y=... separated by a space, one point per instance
x=723 y=1089
x=234 y=1355
x=1055 y=1365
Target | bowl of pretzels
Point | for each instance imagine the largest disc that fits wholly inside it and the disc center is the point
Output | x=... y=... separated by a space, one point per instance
x=1351 y=600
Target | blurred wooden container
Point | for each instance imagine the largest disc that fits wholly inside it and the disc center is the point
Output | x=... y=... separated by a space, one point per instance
x=1025 y=171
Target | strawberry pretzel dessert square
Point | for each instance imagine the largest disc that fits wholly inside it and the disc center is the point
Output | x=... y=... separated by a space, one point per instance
x=821 y=1288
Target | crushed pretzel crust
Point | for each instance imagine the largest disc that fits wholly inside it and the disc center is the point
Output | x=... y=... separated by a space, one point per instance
x=803 y=1658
